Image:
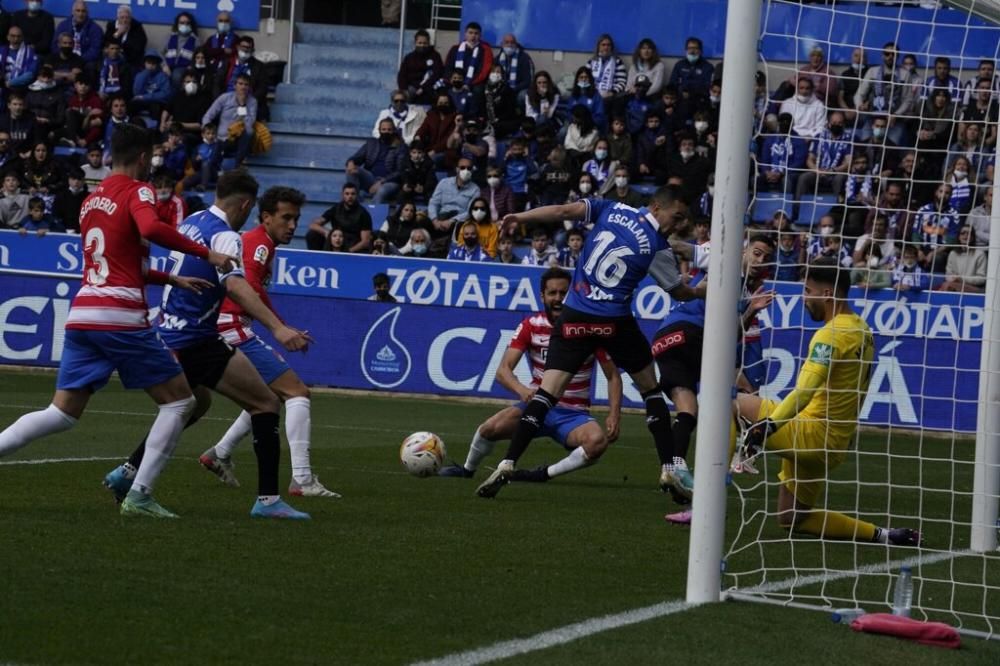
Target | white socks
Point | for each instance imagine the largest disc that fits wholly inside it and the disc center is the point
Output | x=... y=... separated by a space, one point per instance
x=34 y=426
x=297 y=425
x=577 y=459
x=478 y=449
x=241 y=428
x=162 y=441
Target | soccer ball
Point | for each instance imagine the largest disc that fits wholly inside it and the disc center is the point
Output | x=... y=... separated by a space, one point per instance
x=422 y=453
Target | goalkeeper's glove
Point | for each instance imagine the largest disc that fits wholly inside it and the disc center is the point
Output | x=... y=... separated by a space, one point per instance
x=753 y=439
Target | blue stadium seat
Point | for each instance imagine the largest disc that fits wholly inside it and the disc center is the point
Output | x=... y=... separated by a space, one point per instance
x=645 y=189
x=814 y=207
x=378 y=212
x=766 y=204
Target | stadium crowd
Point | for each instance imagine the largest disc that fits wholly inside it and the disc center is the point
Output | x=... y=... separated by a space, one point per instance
x=898 y=164
x=67 y=87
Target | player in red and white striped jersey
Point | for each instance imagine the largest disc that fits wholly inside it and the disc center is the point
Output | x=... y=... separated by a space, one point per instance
x=569 y=422
x=108 y=326
x=279 y=216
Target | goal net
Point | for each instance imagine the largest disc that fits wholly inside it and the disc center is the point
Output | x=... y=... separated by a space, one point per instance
x=886 y=167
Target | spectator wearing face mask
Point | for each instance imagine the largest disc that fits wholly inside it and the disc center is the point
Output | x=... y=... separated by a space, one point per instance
x=600 y=166
x=87 y=35
x=178 y=56
x=221 y=45
x=638 y=104
x=487 y=231
x=585 y=94
x=65 y=64
x=935 y=229
x=516 y=66
x=652 y=151
x=244 y=62
x=47 y=103
x=807 y=111
x=782 y=157
x=693 y=75
x=416 y=175
x=37 y=25
x=452 y=199
x=372 y=167
x=499 y=106
x=586 y=188
x=828 y=160
x=187 y=108
x=436 y=129
x=170 y=208
x=418 y=245
x=467 y=142
x=382 y=286
x=405 y=117
x=519 y=169
x=499 y=196
x=463 y=100
x=620 y=190
x=688 y=165
x=70 y=200
x=909 y=275
x=420 y=70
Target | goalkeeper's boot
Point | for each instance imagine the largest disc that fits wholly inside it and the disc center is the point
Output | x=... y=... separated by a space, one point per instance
x=904 y=536
x=278 y=509
x=221 y=467
x=119 y=482
x=311 y=488
x=500 y=477
x=537 y=475
x=679 y=518
x=457 y=471
x=141 y=504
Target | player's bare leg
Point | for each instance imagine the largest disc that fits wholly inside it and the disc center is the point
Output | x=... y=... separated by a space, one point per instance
x=499 y=426
x=176 y=403
x=551 y=388
x=62 y=414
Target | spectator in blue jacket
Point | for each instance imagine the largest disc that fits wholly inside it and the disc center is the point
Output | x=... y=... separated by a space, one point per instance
x=637 y=105
x=151 y=90
x=179 y=54
x=87 y=35
x=115 y=75
x=370 y=167
x=18 y=60
x=585 y=93
x=782 y=157
x=205 y=160
x=693 y=75
x=519 y=168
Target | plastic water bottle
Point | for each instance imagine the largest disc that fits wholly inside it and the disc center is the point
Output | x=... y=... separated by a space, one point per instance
x=902 y=597
x=846 y=615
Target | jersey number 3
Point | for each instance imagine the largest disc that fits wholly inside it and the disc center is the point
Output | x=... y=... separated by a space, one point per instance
x=607 y=267
x=93 y=250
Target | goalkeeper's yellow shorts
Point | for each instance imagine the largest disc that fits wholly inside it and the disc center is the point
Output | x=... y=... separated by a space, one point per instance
x=809 y=449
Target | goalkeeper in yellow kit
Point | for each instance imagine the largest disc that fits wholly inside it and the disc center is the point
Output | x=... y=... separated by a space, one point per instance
x=812 y=428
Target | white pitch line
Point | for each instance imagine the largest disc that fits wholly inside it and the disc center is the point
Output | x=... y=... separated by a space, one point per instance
x=586 y=628
x=49 y=461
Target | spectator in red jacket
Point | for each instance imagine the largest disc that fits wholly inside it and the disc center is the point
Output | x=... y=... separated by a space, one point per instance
x=473 y=56
x=420 y=70
x=84 y=115
x=170 y=208
x=438 y=126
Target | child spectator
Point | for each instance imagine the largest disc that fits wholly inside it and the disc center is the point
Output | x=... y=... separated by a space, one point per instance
x=505 y=251
x=417 y=178
x=84 y=115
x=152 y=89
x=518 y=170
x=620 y=190
x=205 y=161
x=94 y=171
x=70 y=200
x=462 y=100
x=637 y=105
x=170 y=208
x=115 y=75
x=119 y=116
x=13 y=204
x=586 y=188
x=569 y=255
x=652 y=150
x=859 y=195
x=38 y=220
x=908 y=275
x=620 y=142
x=542 y=253
x=175 y=154
x=601 y=166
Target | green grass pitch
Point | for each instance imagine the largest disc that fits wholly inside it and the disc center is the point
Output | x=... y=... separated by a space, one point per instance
x=404 y=569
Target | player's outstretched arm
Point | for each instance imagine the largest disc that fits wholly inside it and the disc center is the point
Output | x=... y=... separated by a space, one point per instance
x=195 y=284
x=240 y=291
x=549 y=214
x=612 y=424
x=506 y=377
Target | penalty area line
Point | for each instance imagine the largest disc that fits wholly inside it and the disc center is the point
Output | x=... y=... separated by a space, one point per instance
x=587 y=628
x=49 y=461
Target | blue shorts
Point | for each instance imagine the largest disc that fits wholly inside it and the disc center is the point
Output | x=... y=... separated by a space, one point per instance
x=269 y=363
x=560 y=422
x=89 y=358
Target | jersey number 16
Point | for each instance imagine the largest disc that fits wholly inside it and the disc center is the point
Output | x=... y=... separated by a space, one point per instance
x=607 y=266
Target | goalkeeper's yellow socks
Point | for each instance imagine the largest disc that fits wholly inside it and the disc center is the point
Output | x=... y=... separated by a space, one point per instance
x=834 y=525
